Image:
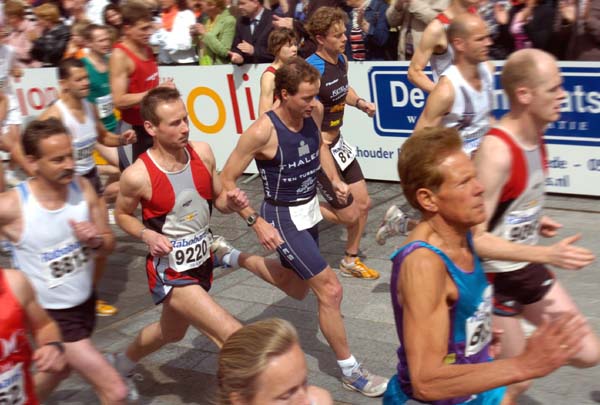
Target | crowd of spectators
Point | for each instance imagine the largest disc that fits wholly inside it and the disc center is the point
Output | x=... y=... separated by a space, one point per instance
x=209 y=32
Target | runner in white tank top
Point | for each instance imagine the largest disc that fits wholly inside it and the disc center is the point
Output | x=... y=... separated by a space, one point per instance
x=510 y=165
x=56 y=224
x=471 y=109
x=85 y=128
x=463 y=98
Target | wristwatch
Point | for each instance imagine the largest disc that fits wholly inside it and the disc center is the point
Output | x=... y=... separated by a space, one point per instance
x=251 y=220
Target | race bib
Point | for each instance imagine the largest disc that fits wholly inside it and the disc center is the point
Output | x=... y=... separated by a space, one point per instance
x=523 y=226
x=12 y=386
x=479 y=326
x=105 y=106
x=190 y=252
x=83 y=151
x=343 y=153
x=307 y=215
x=63 y=261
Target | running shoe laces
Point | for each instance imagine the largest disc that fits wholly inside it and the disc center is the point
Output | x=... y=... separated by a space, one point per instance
x=358 y=269
x=366 y=383
x=394 y=223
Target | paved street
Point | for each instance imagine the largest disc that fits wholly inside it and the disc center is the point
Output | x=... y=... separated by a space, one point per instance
x=184 y=372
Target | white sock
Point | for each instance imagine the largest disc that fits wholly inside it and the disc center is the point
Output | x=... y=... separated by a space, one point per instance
x=123 y=364
x=348 y=365
x=232 y=258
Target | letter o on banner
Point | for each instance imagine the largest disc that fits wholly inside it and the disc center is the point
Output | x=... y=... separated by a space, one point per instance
x=205 y=91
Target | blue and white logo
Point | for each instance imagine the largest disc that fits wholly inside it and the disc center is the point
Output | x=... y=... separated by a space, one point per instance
x=400 y=103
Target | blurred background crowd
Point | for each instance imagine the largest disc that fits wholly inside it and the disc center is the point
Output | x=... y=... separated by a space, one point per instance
x=207 y=32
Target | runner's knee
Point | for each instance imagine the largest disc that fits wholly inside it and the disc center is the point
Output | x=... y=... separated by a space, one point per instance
x=332 y=294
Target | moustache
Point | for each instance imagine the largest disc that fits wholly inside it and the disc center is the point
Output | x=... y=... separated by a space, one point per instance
x=66 y=173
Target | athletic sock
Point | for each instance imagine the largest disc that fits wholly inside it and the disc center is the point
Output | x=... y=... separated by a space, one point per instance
x=123 y=364
x=348 y=366
x=232 y=258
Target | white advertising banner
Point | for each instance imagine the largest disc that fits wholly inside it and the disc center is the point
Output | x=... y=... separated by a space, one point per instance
x=222 y=101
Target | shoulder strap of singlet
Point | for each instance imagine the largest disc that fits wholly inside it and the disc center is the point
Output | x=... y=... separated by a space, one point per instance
x=317 y=62
x=23 y=191
x=443 y=18
x=132 y=55
x=518 y=174
x=270 y=69
x=276 y=122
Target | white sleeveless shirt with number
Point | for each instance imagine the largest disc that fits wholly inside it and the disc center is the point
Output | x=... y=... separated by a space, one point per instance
x=471 y=110
x=83 y=135
x=58 y=265
x=519 y=209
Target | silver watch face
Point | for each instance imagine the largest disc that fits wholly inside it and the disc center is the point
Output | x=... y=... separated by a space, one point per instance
x=251 y=220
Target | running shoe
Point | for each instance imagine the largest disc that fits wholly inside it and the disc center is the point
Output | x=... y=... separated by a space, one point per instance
x=103 y=308
x=358 y=269
x=219 y=248
x=363 y=381
x=394 y=223
x=128 y=376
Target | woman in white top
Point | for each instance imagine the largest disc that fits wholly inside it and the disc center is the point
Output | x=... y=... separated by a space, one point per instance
x=173 y=37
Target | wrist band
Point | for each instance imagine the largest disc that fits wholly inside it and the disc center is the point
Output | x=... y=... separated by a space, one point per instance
x=59 y=345
x=358 y=101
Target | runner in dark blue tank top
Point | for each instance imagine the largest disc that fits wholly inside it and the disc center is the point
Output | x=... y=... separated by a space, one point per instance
x=441 y=298
x=327 y=26
x=288 y=150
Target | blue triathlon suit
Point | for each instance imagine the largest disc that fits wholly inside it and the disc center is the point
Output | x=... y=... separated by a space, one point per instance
x=290 y=182
x=470 y=328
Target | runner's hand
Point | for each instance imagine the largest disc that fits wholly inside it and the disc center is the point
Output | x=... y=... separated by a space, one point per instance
x=368 y=108
x=553 y=344
x=128 y=137
x=237 y=200
x=158 y=244
x=268 y=236
x=566 y=255
x=87 y=233
x=49 y=358
x=342 y=191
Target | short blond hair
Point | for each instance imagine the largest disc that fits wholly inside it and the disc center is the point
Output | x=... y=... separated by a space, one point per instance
x=521 y=69
x=48 y=12
x=246 y=355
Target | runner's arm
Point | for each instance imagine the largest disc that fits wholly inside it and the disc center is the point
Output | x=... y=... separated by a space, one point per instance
x=98 y=219
x=249 y=145
x=48 y=356
x=107 y=138
x=119 y=80
x=422 y=55
x=225 y=201
x=267 y=89
x=423 y=290
x=493 y=163
x=438 y=104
